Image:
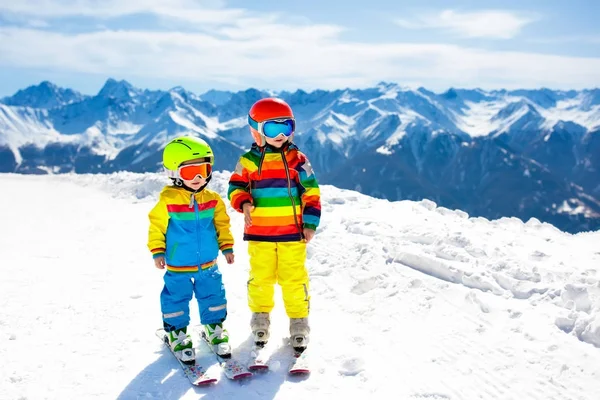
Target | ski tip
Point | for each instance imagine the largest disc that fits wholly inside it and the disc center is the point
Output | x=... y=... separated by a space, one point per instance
x=258 y=367
x=242 y=376
x=206 y=382
x=299 y=372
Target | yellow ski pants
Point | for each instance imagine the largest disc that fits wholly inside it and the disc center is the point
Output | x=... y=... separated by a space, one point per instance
x=283 y=263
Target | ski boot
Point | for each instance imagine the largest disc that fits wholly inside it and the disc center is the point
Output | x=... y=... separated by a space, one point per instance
x=260 y=324
x=299 y=331
x=182 y=346
x=217 y=337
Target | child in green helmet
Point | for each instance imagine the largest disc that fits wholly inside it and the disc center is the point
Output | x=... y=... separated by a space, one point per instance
x=188 y=227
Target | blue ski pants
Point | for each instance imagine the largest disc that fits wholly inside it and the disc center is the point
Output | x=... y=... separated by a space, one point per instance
x=205 y=284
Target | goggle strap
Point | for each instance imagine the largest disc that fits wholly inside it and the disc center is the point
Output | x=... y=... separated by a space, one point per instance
x=171 y=174
x=252 y=123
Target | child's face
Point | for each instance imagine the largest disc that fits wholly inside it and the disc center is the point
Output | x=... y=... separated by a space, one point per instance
x=197 y=182
x=278 y=141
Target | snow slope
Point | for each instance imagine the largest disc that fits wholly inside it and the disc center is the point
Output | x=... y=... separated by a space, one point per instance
x=409 y=301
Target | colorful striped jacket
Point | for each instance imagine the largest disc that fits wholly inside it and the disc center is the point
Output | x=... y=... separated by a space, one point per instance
x=283 y=189
x=189 y=232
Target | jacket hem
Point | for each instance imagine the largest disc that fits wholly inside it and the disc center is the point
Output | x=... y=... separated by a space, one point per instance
x=281 y=238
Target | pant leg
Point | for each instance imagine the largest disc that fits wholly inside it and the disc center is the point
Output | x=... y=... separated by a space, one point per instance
x=210 y=294
x=175 y=300
x=263 y=276
x=292 y=275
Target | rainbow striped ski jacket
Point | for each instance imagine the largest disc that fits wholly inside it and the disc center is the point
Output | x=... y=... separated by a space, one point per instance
x=189 y=231
x=282 y=187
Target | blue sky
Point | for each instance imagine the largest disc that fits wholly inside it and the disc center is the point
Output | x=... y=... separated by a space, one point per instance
x=310 y=44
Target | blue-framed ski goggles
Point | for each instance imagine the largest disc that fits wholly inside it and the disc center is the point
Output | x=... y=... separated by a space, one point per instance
x=274 y=127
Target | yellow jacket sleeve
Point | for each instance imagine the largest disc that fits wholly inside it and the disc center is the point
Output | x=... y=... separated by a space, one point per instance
x=222 y=224
x=159 y=219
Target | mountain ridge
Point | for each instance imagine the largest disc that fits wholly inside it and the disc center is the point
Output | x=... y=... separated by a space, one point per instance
x=454 y=147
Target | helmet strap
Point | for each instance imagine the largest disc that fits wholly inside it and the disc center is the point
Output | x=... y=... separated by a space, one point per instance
x=177 y=182
x=201 y=188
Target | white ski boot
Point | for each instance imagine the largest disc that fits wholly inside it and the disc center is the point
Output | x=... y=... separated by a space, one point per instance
x=299 y=333
x=182 y=346
x=260 y=324
x=218 y=338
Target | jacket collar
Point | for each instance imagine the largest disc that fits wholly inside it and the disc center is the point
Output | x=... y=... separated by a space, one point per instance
x=270 y=149
x=182 y=185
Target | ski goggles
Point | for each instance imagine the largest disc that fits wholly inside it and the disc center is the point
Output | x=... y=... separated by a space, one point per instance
x=272 y=128
x=191 y=171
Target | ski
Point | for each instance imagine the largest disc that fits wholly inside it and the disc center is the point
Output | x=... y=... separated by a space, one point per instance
x=195 y=373
x=232 y=368
x=300 y=364
x=257 y=362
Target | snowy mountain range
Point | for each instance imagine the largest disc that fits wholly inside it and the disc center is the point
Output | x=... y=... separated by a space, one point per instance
x=522 y=153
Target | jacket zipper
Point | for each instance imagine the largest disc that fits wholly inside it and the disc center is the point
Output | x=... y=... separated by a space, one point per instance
x=260 y=162
x=197 y=214
x=289 y=181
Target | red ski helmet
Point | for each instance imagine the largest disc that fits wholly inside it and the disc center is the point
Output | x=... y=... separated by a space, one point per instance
x=268 y=109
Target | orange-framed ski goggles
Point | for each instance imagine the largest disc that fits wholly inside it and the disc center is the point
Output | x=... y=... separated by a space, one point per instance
x=190 y=171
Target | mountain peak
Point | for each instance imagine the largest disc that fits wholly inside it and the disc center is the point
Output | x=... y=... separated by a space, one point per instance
x=591 y=97
x=43 y=95
x=48 y=85
x=450 y=94
x=185 y=95
x=522 y=106
x=387 y=87
x=216 y=97
x=118 y=89
x=570 y=127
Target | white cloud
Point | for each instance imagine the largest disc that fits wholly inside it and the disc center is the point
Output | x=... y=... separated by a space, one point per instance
x=288 y=60
x=271 y=53
x=494 y=24
x=188 y=10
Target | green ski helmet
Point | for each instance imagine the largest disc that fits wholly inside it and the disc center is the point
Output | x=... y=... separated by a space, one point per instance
x=182 y=149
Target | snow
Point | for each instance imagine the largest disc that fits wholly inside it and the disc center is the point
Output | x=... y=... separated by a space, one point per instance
x=182 y=120
x=572 y=207
x=123 y=128
x=22 y=125
x=572 y=110
x=407 y=118
x=240 y=122
x=102 y=144
x=478 y=118
x=386 y=151
x=409 y=301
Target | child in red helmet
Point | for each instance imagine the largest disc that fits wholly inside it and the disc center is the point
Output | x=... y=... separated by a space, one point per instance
x=276 y=189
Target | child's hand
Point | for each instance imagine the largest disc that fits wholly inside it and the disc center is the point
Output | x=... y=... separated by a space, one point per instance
x=308 y=234
x=229 y=257
x=247 y=208
x=159 y=262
